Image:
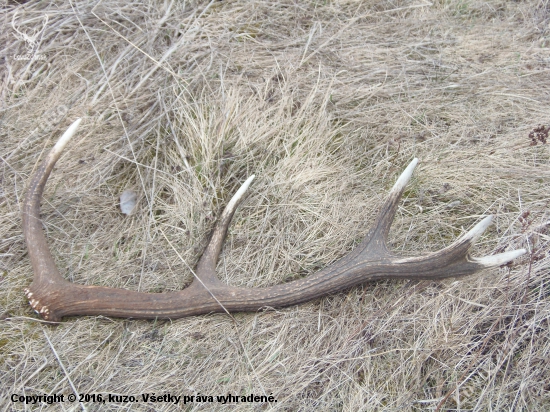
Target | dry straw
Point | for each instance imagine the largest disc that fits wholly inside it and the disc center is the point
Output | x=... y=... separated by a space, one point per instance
x=325 y=102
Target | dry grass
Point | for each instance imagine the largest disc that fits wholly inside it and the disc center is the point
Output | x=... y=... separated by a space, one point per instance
x=325 y=102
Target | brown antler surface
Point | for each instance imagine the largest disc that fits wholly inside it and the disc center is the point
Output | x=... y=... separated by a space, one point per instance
x=54 y=297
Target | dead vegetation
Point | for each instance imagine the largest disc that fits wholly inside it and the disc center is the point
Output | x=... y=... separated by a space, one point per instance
x=325 y=102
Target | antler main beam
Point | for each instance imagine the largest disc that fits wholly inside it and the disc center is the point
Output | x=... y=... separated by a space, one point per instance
x=54 y=297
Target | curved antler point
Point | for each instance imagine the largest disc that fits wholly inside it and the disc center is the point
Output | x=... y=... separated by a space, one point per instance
x=63 y=140
x=500 y=259
x=478 y=229
x=237 y=197
x=405 y=177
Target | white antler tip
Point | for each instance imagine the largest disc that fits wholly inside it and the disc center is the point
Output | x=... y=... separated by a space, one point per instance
x=236 y=199
x=244 y=186
x=63 y=140
x=500 y=259
x=478 y=229
x=405 y=176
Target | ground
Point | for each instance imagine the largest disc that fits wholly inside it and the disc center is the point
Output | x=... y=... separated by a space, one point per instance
x=326 y=102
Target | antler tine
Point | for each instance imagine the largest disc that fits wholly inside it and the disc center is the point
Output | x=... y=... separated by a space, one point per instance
x=454 y=260
x=54 y=297
x=375 y=243
x=388 y=210
x=206 y=268
x=39 y=253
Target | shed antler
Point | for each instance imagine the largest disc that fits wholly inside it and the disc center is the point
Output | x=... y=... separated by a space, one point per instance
x=54 y=297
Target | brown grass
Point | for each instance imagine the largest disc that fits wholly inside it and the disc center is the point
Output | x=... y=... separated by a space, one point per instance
x=325 y=102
